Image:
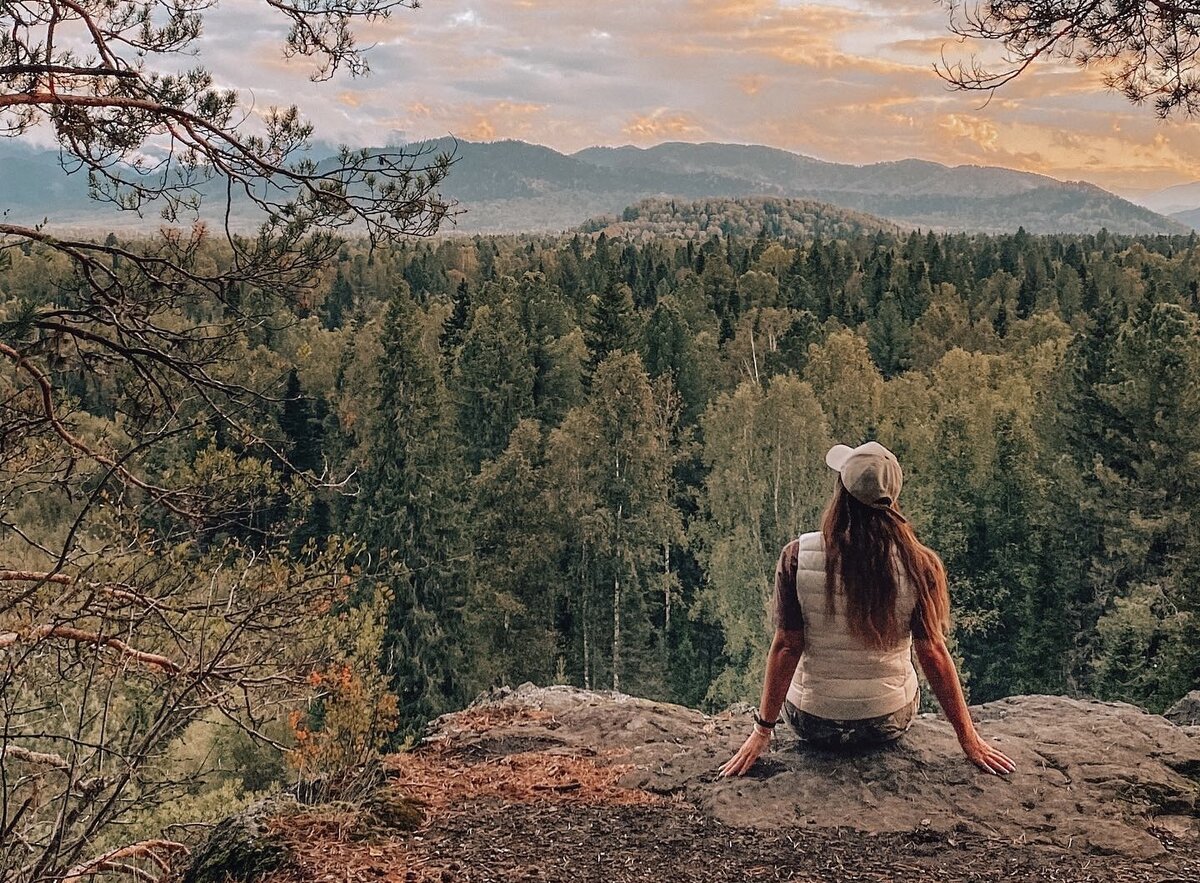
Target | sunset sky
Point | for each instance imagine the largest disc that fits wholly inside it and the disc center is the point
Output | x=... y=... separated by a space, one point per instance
x=849 y=81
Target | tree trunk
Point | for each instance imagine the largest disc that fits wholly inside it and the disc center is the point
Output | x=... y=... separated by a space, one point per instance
x=666 y=587
x=587 y=662
x=616 y=645
x=587 y=658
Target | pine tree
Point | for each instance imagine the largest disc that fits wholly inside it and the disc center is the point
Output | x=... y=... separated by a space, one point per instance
x=340 y=302
x=1153 y=396
x=671 y=352
x=408 y=515
x=720 y=289
x=492 y=383
x=611 y=325
x=556 y=348
x=517 y=589
x=889 y=337
x=302 y=424
x=456 y=324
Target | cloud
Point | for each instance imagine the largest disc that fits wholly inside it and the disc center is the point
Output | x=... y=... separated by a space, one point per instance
x=660 y=125
x=751 y=84
x=480 y=129
x=844 y=80
x=980 y=132
x=467 y=18
x=487 y=121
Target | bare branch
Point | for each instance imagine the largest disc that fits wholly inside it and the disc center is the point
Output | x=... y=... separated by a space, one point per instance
x=149 y=849
x=163 y=495
x=69 y=633
x=41 y=758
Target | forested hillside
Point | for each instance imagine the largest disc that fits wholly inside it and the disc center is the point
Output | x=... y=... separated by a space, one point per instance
x=768 y=217
x=575 y=460
x=513 y=186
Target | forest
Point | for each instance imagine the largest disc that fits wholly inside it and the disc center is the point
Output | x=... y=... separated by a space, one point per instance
x=575 y=459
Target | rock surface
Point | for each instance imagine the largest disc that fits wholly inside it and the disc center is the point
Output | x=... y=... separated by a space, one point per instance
x=240 y=848
x=1186 y=712
x=272 y=834
x=1100 y=777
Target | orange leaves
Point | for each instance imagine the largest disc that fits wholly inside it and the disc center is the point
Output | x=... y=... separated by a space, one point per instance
x=347 y=725
x=444 y=780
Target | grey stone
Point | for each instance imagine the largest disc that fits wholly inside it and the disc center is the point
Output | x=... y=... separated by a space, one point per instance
x=1090 y=775
x=240 y=848
x=1185 y=712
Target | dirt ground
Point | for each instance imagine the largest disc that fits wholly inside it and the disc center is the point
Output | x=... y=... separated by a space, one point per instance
x=493 y=842
x=622 y=844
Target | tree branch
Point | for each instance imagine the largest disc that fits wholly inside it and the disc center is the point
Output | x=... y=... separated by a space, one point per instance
x=37 y=757
x=107 y=862
x=70 y=633
x=47 y=398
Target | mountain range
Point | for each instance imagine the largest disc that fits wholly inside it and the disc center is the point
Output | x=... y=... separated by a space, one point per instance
x=513 y=186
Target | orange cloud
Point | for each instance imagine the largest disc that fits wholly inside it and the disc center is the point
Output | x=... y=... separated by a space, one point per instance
x=762 y=27
x=744 y=10
x=980 y=132
x=474 y=122
x=926 y=46
x=481 y=129
x=751 y=84
x=661 y=124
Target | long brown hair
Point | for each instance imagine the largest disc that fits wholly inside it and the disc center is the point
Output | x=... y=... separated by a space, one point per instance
x=862 y=544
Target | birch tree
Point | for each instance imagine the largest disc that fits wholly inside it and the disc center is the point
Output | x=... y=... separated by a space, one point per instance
x=767 y=483
x=612 y=462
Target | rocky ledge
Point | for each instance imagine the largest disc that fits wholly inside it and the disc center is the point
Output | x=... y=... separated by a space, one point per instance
x=561 y=784
x=1097 y=776
x=1186 y=712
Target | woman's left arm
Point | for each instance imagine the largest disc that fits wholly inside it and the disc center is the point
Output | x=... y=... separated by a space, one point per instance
x=786 y=649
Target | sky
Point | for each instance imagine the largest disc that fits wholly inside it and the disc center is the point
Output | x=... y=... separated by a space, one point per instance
x=842 y=80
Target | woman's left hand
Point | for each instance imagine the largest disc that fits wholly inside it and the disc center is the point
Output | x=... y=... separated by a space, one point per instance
x=756 y=743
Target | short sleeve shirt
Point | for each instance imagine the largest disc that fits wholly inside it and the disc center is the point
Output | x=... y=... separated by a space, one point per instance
x=786 y=605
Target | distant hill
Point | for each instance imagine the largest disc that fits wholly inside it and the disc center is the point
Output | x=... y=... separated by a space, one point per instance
x=34 y=185
x=791 y=218
x=911 y=192
x=1191 y=218
x=508 y=186
x=1172 y=201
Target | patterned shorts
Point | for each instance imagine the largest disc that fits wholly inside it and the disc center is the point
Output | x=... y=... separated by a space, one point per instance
x=823 y=732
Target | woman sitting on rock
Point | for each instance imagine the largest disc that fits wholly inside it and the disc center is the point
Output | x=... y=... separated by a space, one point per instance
x=852 y=601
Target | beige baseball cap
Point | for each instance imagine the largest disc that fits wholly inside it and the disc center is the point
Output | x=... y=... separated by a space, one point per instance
x=870 y=472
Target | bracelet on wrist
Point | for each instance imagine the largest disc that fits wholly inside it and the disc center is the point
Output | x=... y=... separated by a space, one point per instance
x=758 y=721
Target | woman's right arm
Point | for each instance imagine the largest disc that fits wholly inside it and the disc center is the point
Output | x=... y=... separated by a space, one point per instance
x=938 y=666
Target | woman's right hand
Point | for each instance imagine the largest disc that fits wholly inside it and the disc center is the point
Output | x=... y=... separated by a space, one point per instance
x=989 y=759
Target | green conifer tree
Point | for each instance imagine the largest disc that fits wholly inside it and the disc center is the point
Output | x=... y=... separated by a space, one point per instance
x=408 y=513
x=516 y=589
x=492 y=384
x=611 y=326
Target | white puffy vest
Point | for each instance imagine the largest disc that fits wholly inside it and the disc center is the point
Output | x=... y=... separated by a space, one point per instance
x=838 y=676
